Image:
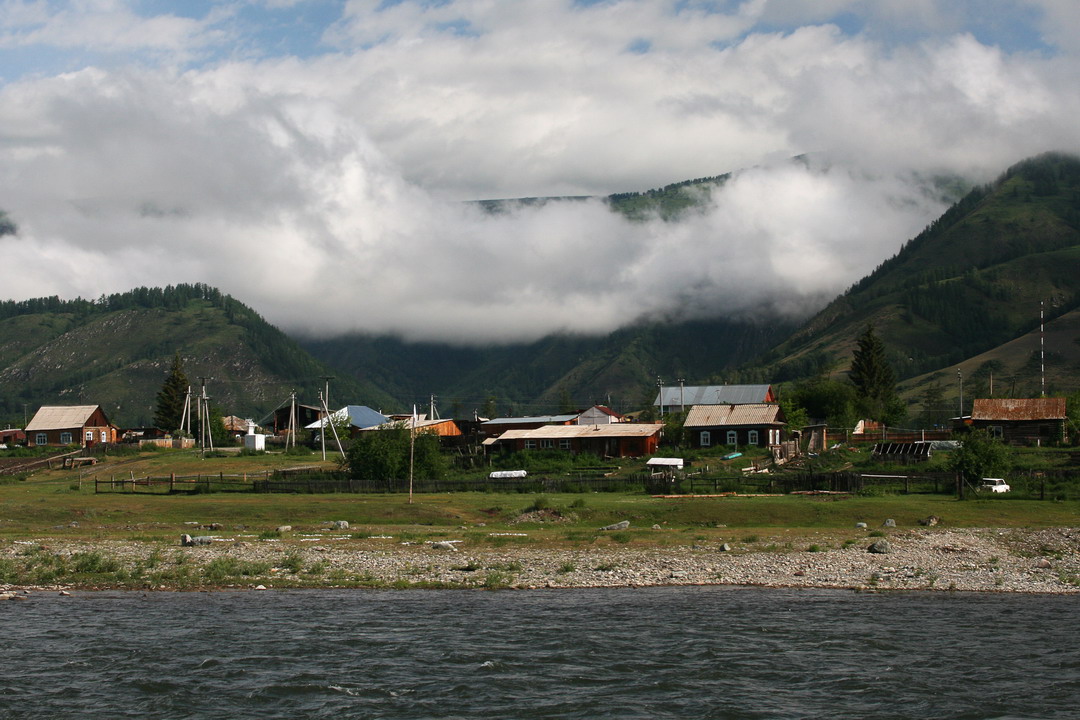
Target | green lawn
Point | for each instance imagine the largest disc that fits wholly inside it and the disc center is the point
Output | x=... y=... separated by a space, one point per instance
x=51 y=503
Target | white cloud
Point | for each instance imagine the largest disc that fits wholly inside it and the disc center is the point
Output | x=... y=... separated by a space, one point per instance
x=324 y=190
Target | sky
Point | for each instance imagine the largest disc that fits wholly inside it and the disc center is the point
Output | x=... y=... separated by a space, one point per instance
x=315 y=158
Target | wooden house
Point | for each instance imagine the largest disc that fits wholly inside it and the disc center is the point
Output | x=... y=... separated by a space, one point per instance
x=757 y=424
x=70 y=425
x=279 y=419
x=599 y=415
x=12 y=436
x=611 y=440
x=1034 y=421
x=357 y=417
x=497 y=426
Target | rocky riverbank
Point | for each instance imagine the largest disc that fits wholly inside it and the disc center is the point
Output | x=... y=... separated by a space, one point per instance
x=985 y=560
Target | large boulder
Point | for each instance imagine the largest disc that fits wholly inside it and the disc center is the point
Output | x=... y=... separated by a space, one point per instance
x=617 y=526
x=880 y=547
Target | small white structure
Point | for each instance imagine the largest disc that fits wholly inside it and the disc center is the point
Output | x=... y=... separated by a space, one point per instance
x=253 y=440
x=498 y=474
x=669 y=464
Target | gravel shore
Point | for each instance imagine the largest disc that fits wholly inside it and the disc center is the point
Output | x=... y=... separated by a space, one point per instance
x=983 y=560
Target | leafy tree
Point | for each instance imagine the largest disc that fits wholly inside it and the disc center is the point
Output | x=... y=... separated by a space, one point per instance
x=383 y=454
x=674 y=428
x=981 y=455
x=171 y=397
x=874 y=379
x=823 y=399
x=490 y=408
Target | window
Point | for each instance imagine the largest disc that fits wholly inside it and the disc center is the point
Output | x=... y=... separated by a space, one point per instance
x=104 y=436
x=65 y=438
x=41 y=439
x=996 y=431
x=752 y=437
x=530 y=444
x=89 y=436
x=564 y=444
x=547 y=443
x=706 y=438
x=732 y=437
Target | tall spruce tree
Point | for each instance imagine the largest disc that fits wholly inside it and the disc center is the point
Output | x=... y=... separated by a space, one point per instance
x=874 y=379
x=171 y=397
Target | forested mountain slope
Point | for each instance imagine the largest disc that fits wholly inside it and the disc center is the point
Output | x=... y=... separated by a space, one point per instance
x=116 y=352
x=974 y=280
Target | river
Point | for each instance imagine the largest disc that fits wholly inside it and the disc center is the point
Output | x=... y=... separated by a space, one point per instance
x=697 y=652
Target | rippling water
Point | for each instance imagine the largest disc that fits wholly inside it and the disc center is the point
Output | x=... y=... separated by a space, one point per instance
x=710 y=652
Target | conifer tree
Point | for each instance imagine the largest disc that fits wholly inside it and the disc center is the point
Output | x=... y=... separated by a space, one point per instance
x=171 y=397
x=874 y=379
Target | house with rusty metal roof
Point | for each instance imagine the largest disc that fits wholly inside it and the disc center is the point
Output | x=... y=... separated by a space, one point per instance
x=758 y=424
x=70 y=425
x=674 y=398
x=1021 y=421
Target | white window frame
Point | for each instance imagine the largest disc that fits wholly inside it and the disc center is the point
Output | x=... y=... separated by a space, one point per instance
x=89 y=436
x=752 y=437
x=530 y=444
x=564 y=443
x=732 y=437
x=41 y=439
x=104 y=436
x=705 y=439
x=65 y=438
x=547 y=444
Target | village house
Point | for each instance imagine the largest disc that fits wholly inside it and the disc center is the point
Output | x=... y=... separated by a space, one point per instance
x=279 y=419
x=12 y=436
x=675 y=398
x=358 y=417
x=599 y=415
x=757 y=424
x=1034 y=421
x=443 y=427
x=610 y=440
x=70 y=425
x=498 y=426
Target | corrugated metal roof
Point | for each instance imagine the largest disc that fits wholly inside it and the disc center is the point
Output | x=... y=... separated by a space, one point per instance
x=530 y=420
x=558 y=432
x=723 y=415
x=360 y=416
x=60 y=417
x=712 y=395
x=1018 y=409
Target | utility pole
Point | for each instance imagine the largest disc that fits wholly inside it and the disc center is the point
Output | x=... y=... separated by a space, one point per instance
x=960 y=379
x=1042 y=349
x=204 y=416
x=660 y=384
x=682 y=399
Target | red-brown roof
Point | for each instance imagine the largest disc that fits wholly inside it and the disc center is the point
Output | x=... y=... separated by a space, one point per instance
x=1018 y=409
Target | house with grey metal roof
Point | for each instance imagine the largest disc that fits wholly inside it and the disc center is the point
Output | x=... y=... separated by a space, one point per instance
x=497 y=426
x=674 y=398
x=358 y=417
x=758 y=424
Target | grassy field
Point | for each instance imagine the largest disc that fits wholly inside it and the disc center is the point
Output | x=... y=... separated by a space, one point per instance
x=62 y=503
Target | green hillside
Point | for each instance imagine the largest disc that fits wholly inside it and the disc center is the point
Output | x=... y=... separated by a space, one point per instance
x=555 y=373
x=116 y=352
x=974 y=280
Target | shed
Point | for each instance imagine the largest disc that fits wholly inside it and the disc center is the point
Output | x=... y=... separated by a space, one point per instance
x=1021 y=421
